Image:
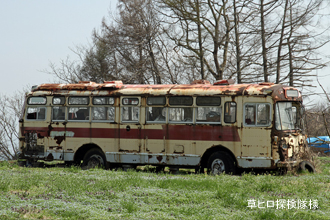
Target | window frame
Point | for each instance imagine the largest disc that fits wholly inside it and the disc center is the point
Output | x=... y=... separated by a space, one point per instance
x=88 y=100
x=180 y=122
x=106 y=105
x=132 y=106
x=31 y=97
x=181 y=106
x=202 y=105
x=79 y=106
x=37 y=107
x=256 y=114
x=156 y=106
x=173 y=97
x=65 y=113
x=224 y=113
x=58 y=97
x=106 y=97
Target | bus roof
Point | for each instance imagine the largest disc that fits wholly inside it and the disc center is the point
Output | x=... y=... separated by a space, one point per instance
x=201 y=88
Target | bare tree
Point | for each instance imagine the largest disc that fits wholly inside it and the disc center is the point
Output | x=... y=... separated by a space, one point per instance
x=167 y=41
x=301 y=37
x=202 y=29
x=10 y=112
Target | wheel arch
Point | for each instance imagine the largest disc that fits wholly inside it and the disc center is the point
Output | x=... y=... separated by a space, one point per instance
x=80 y=153
x=213 y=149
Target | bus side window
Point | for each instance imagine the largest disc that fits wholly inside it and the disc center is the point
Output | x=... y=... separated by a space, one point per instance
x=230 y=112
x=257 y=114
x=250 y=114
x=78 y=113
x=156 y=113
x=263 y=114
x=181 y=113
x=103 y=109
x=130 y=112
x=208 y=110
x=36 y=113
x=58 y=113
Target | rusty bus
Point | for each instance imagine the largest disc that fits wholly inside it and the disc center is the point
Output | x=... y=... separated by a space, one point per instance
x=220 y=127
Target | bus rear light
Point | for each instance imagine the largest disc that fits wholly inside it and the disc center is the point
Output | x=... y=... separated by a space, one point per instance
x=224 y=82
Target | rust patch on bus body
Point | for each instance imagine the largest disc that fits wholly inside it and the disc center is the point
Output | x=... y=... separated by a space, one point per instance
x=59 y=139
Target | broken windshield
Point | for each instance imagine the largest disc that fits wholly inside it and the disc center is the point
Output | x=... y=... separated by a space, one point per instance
x=286 y=116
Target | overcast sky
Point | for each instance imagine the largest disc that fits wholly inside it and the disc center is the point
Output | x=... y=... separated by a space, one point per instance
x=34 y=33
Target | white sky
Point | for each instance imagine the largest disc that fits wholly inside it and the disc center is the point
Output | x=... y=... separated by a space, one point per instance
x=36 y=32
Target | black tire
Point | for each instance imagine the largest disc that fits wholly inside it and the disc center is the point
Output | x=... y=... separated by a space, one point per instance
x=305 y=165
x=22 y=163
x=220 y=162
x=94 y=158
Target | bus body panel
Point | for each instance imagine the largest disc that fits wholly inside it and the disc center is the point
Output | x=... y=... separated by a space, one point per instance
x=160 y=143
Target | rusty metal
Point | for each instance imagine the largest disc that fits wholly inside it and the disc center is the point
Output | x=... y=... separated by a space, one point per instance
x=200 y=87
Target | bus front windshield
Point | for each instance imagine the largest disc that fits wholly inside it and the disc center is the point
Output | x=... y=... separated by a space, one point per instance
x=287 y=116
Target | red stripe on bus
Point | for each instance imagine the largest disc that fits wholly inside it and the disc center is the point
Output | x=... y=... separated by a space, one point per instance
x=170 y=132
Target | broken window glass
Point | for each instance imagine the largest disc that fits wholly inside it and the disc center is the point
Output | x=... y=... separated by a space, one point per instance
x=78 y=113
x=37 y=100
x=58 y=100
x=130 y=114
x=78 y=100
x=208 y=115
x=103 y=100
x=257 y=114
x=230 y=112
x=58 y=113
x=36 y=113
x=181 y=115
x=156 y=114
x=103 y=113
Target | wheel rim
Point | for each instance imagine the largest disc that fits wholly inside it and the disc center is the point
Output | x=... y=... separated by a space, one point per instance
x=95 y=161
x=217 y=167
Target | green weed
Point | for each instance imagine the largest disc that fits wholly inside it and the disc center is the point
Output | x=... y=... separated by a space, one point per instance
x=73 y=193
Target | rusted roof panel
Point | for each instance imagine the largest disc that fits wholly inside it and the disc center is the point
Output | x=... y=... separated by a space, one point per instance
x=117 y=88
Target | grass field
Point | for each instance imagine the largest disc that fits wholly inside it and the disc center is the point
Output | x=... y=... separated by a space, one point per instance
x=72 y=193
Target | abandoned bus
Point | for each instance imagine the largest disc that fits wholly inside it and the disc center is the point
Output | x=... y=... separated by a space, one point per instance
x=222 y=126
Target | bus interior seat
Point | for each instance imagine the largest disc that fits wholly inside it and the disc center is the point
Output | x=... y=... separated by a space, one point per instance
x=81 y=114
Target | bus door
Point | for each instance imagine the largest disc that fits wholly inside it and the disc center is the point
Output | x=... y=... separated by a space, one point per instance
x=256 y=133
x=155 y=129
x=78 y=126
x=58 y=134
x=130 y=127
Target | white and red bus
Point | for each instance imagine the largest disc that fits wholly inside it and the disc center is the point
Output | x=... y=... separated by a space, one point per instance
x=222 y=126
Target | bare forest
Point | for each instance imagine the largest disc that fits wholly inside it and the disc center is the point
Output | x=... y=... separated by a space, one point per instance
x=179 y=41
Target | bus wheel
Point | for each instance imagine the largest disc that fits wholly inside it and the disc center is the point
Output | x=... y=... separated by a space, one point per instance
x=305 y=165
x=220 y=162
x=93 y=158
